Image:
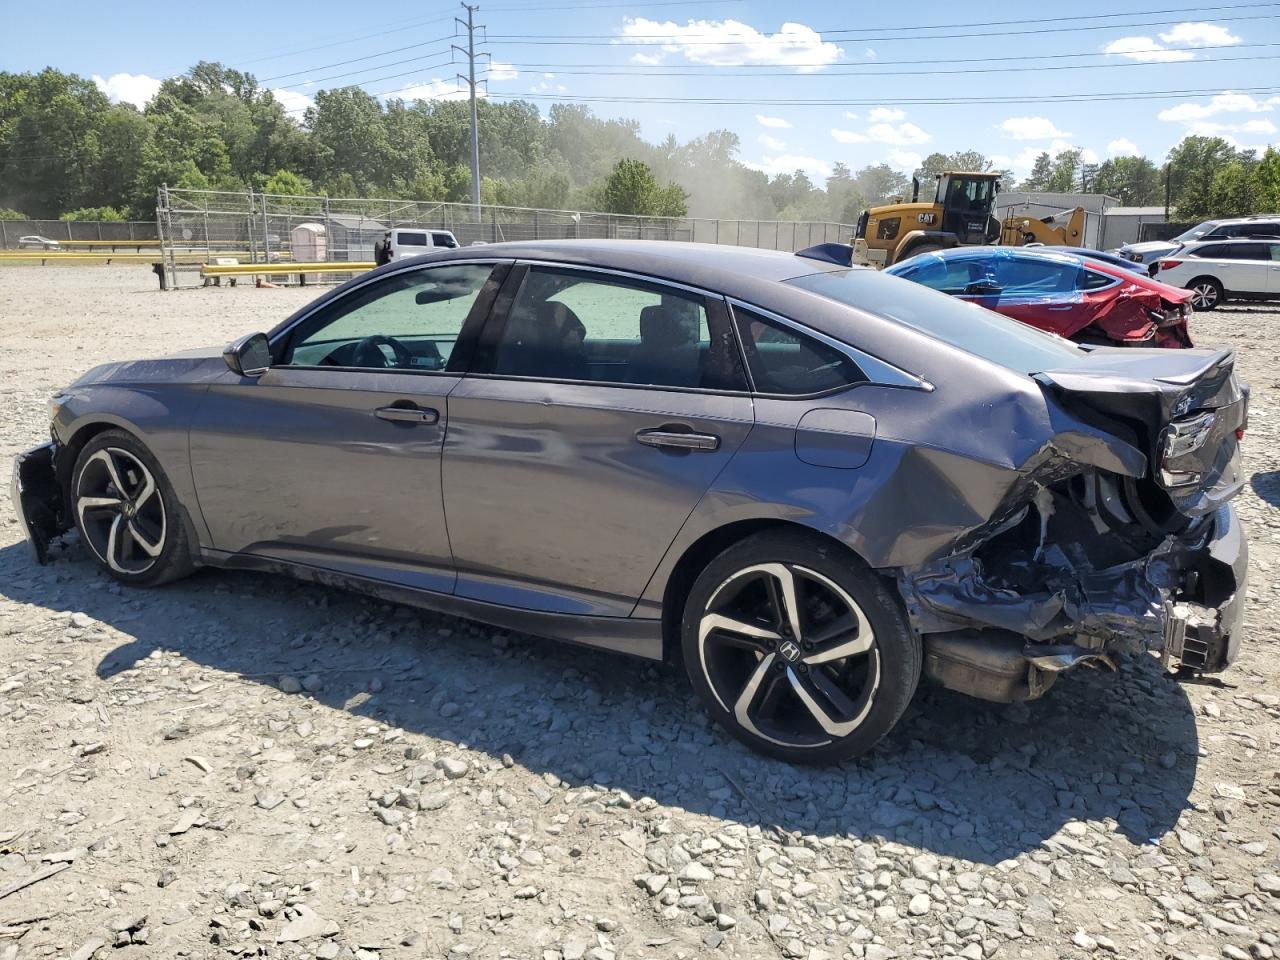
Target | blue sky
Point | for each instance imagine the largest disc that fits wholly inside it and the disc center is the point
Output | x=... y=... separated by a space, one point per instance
x=1203 y=65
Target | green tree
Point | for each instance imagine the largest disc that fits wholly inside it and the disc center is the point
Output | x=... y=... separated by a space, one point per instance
x=1193 y=165
x=1268 y=181
x=879 y=183
x=1134 y=181
x=632 y=188
x=104 y=214
x=289 y=184
x=8 y=213
x=1233 y=192
x=1040 y=175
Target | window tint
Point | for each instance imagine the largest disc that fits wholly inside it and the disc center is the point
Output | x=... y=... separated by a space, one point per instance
x=1275 y=251
x=443 y=240
x=564 y=325
x=1093 y=280
x=785 y=361
x=409 y=320
x=408 y=239
x=971 y=328
x=951 y=275
x=1252 y=251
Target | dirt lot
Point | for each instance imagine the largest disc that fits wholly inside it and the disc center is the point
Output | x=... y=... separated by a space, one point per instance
x=239 y=765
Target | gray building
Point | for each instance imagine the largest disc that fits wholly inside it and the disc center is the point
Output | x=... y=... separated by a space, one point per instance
x=1123 y=225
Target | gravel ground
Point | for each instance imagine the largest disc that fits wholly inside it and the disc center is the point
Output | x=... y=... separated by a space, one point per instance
x=241 y=765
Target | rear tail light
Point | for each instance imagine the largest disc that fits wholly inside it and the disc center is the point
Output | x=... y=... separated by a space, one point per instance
x=1166 y=264
x=1240 y=433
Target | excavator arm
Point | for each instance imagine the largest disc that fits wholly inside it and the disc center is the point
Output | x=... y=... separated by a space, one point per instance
x=1063 y=229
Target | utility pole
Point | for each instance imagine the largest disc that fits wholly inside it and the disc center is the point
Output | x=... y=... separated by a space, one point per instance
x=470 y=80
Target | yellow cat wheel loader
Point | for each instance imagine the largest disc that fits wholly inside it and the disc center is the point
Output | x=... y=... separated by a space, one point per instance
x=960 y=214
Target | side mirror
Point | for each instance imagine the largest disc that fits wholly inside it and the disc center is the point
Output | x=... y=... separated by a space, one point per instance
x=250 y=356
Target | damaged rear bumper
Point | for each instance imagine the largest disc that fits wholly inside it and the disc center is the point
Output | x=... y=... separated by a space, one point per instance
x=37 y=498
x=1184 y=601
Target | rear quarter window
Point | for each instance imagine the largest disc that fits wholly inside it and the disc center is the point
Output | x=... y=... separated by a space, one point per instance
x=408 y=239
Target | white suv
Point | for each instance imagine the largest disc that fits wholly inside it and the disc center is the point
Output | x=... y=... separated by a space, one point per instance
x=1259 y=226
x=1221 y=270
x=414 y=242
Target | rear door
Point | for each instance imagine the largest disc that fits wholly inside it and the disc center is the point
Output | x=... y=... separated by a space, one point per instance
x=1273 y=282
x=599 y=409
x=1251 y=267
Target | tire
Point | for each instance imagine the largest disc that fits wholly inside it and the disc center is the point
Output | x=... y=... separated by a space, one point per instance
x=920 y=248
x=127 y=513
x=788 y=696
x=1208 y=290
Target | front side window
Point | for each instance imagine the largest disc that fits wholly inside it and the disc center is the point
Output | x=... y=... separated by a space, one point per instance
x=443 y=240
x=409 y=321
x=787 y=362
x=565 y=325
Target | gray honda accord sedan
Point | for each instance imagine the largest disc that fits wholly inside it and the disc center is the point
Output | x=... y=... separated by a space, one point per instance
x=812 y=484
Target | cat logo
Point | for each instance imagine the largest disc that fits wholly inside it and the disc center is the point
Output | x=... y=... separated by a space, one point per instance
x=927 y=218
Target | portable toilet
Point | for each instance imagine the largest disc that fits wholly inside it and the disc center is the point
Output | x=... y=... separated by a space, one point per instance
x=307 y=243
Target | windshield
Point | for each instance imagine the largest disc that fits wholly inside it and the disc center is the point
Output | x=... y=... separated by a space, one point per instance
x=1196 y=232
x=971 y=328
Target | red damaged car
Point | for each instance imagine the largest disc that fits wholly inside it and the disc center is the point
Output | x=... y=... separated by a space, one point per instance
x=1085 y=300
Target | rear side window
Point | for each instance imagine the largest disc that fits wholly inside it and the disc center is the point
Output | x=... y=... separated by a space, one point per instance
x=784 y=361
x=1252 y=251
x=1093 y=280
x=960 y=323
x=407 y=239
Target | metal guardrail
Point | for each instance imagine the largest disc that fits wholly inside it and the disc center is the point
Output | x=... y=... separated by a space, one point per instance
x=210 y=270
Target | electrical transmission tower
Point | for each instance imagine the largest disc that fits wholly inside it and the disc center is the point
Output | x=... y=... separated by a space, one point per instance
x=470 y=80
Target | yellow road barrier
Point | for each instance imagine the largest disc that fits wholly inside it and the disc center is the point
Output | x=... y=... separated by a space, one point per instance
x=279 y=269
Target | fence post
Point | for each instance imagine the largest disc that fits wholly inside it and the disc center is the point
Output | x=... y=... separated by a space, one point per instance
x=535 y=226
x=4 y=235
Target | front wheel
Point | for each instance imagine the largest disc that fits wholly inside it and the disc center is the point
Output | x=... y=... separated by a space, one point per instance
x=127 y=513
x=1206 y=293
x=797 y=649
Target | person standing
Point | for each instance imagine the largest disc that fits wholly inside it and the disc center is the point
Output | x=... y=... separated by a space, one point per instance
x=382 y=250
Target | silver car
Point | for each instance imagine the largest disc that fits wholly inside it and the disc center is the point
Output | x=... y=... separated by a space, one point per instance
x=813 y=484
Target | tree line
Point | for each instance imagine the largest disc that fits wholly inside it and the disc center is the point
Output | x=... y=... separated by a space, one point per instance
x=66 y=150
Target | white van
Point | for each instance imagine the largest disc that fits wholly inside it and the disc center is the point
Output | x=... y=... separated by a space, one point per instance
x=413 y=243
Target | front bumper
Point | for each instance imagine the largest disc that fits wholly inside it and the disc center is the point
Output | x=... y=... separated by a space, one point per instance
x=37 y=498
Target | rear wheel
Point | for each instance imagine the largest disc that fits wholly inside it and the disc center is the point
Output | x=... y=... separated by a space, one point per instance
x=1206 y=293
x=127 y=513
x=797 y=649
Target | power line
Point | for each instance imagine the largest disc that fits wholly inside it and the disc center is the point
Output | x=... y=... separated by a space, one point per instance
x=599 y=39
x=379 y=66
x=644 y=69
x=372 y=56
x=728 y=74
x=338 y=43
x=898 y=101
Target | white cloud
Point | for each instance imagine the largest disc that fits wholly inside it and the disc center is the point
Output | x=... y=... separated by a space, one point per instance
x=1200 y=35
x=292 y=101
x=648 y=59
x=790 y=163
x=888 y=126
x=870 y=53
x=1123 y=147
x=773 y=143
x=776 y=122
x=502 y=71
x=885 y=114
x=1030 y=128
x=546 y=86
x=1189 y=34
x=850 y=116
x=1225 y=102
x=435 y=90
x=135 y=88
x=1145 y=49
x=732 y=43
x=905 y=160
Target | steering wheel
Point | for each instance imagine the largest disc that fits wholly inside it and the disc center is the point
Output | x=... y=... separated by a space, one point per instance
x=367 y=352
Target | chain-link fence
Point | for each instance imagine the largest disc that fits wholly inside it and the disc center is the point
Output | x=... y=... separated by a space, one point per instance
x=82 y=234
x=268 y=228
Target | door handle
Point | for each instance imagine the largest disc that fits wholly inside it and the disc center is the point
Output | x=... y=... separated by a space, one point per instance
x=407 y=414
x=678 y=440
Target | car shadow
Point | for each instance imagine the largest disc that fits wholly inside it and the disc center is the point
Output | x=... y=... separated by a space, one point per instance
x=1266 y=484
x=957 y=777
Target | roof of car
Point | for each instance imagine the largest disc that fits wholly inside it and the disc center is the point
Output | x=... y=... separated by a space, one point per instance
x=677 y=260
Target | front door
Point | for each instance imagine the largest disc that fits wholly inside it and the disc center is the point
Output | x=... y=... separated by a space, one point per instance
x=332 y=457
x=599 y=409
